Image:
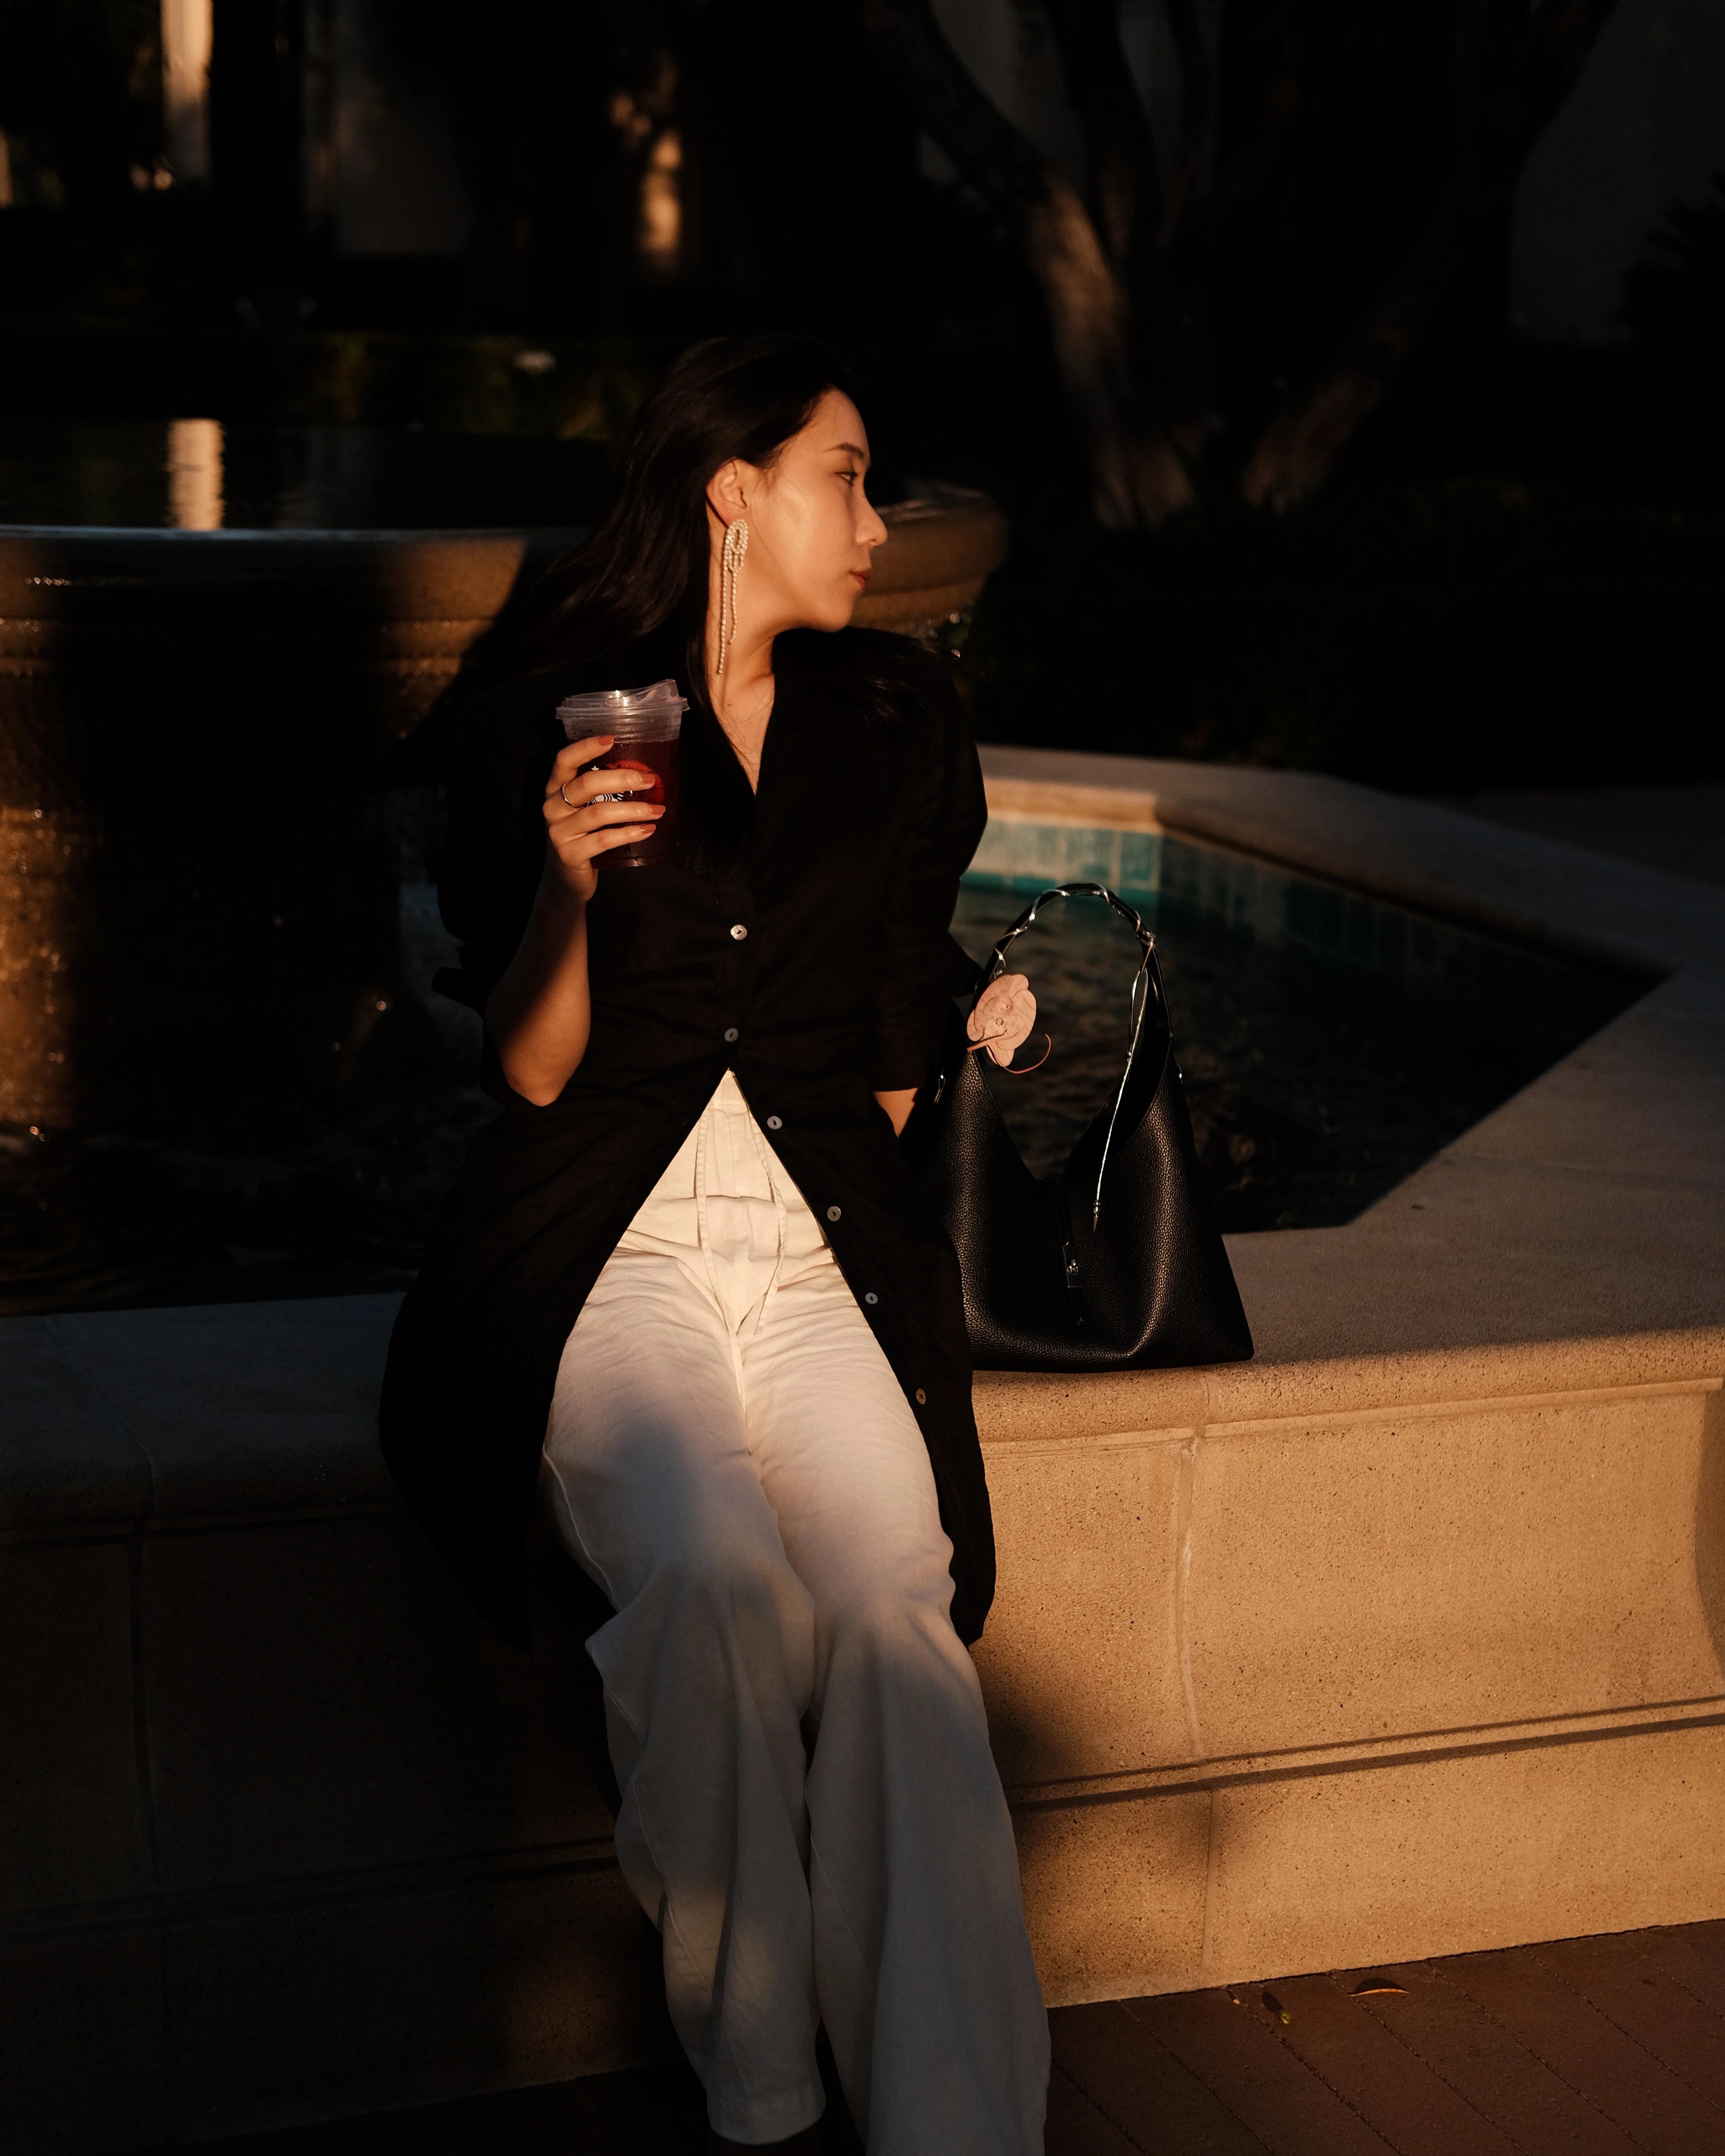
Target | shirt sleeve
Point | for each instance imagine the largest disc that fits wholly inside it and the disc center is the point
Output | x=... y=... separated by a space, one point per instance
x=923 y=968
x=490 y=863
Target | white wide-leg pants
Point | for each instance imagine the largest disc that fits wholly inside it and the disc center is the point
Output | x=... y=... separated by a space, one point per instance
x=811 y=1814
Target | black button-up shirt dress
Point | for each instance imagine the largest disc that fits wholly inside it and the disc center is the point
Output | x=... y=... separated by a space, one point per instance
x=840 y=875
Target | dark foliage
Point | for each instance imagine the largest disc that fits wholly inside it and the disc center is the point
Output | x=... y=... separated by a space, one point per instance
x=1674 y=296
x=80 y=95
x=1518 y=587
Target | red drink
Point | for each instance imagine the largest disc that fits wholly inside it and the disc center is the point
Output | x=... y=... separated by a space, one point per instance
x=646 y=726
x=658 y=758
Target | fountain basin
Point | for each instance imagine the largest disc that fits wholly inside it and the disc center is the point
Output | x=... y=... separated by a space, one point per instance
x=197 y=889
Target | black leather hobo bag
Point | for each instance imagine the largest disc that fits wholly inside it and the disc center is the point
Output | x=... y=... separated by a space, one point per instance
x=1114 y=1264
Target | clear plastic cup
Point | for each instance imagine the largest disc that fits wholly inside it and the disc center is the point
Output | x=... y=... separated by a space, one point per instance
x=647 y=724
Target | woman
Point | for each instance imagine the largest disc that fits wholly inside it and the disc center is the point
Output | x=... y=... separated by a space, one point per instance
x=689 y=1282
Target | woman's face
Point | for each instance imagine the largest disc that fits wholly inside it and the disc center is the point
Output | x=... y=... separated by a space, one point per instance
x=812 y=529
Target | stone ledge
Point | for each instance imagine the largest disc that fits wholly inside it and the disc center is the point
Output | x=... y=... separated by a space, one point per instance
x=1412 y=1748
x=1016 y=1408
x=251 y=1897
x=1395 y=1863
x=154 y=1419
x=267 y=1410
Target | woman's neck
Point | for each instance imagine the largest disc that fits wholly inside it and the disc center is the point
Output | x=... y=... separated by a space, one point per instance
x=742 y=696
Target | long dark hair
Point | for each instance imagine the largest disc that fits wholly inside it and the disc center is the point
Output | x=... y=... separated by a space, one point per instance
x=644 y=568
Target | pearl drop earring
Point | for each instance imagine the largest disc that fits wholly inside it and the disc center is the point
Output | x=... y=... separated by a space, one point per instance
x=736 y=545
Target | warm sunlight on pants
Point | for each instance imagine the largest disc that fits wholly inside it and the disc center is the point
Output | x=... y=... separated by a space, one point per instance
x=810 y=1810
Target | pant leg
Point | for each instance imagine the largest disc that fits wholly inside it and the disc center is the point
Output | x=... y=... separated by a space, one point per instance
x=923 y=1969
x=708 y=1669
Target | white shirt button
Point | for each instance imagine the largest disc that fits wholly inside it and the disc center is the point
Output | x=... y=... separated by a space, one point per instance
x=738 y=932
x=835 y=1213
x=775 y=1123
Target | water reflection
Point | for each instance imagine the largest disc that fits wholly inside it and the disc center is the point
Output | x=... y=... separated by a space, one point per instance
x=194 y=474
x=206 y=474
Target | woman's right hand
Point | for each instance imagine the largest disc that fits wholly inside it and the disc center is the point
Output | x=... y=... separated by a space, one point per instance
x=579 y=827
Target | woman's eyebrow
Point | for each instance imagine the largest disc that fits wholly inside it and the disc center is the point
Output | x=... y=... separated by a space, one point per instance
x=851 y=448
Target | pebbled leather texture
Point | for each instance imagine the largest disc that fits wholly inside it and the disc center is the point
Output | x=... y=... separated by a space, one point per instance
x=1148 y=1288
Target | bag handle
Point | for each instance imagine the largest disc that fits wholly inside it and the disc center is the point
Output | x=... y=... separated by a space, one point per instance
x=1147 y=983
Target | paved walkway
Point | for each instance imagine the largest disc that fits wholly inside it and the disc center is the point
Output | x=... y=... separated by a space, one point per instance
x=1678 y=828
x=1593 y=2047
x=1611 y=2046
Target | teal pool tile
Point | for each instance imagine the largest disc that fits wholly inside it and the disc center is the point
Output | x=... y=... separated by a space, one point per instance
x=1093 y=856
x=993 y=859
x=1040 y=854
x=1219 y=887
x=1140 y=864
x=1181 y=873
x=1361 y=931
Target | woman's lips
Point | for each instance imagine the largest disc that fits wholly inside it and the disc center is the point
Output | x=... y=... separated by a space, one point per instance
x=862 y=577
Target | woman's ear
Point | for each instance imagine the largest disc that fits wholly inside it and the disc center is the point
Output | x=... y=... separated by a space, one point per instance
x=727 y=490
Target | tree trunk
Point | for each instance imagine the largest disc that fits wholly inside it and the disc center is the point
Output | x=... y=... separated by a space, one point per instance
x=1124 y=179
x=1137 y=477
x=1300 y=448
x=1197 y=96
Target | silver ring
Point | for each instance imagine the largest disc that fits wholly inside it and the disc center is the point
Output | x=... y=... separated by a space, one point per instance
x=566 y=802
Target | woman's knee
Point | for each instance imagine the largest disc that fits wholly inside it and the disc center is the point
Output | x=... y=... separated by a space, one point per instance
x=900 y=1623
x=734 y=1588
x=715 y=1624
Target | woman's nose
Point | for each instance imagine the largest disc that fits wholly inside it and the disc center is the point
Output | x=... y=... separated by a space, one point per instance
x=872 y=530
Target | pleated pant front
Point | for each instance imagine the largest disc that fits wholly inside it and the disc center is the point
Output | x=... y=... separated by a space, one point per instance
x=811 y=1814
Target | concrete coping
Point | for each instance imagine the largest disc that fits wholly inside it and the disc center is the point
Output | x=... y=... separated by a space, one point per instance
x=165 y=1421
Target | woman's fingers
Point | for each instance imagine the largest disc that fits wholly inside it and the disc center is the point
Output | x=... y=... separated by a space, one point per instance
x=599 y=815
x=580 y=845
x=570 y=760
x=589 y=812
x=566 y=766
x=590 y=785
x=591 y=792
x=603 y=823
